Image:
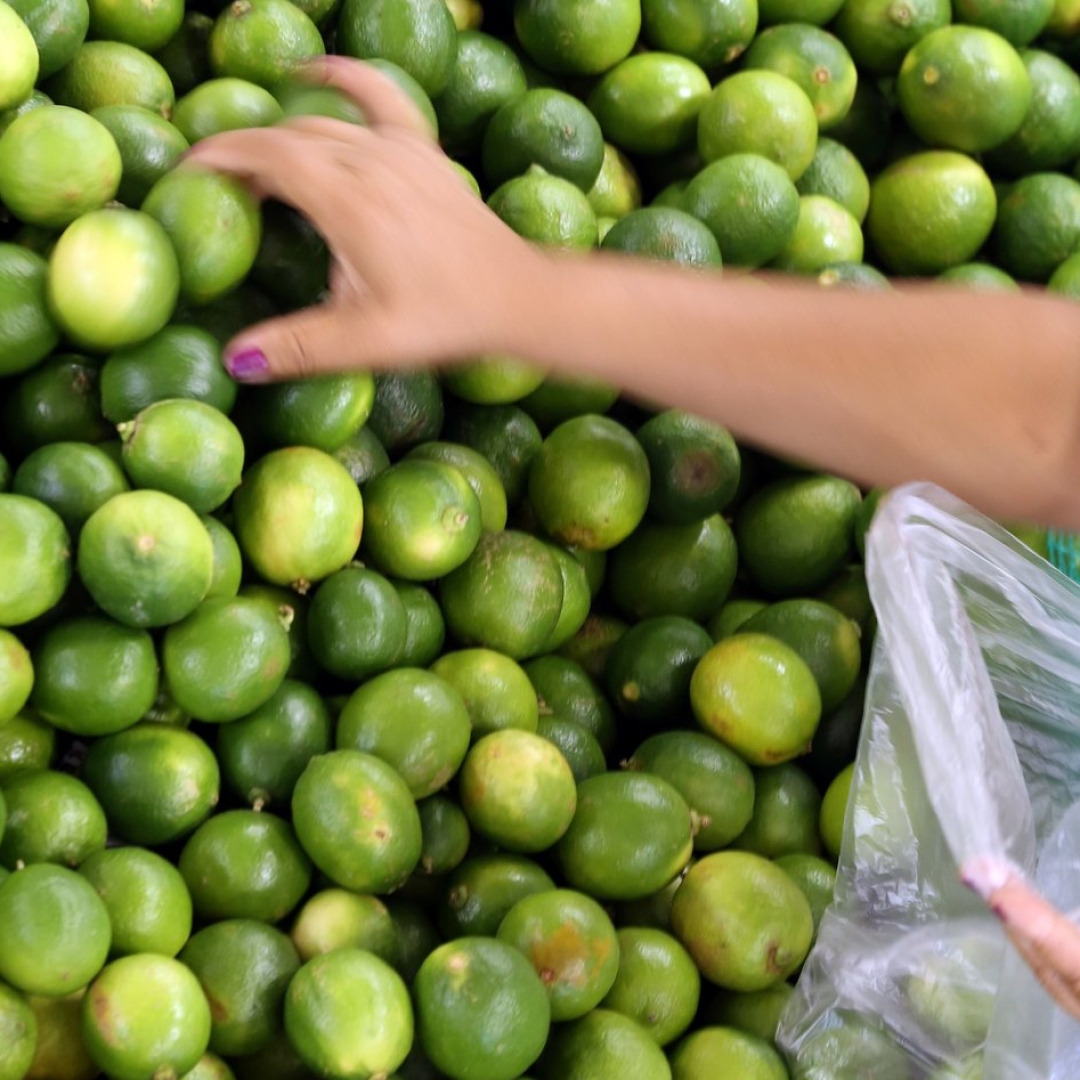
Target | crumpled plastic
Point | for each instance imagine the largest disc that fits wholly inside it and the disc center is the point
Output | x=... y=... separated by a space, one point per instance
x=970 y=747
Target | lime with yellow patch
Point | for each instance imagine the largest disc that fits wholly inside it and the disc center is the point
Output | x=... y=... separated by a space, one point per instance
x=18 y=1035
x=16 y=676
x=517 y=789
x=617 y=190
x=825 y=234
x=19 y=56
x=357 y=820
x=334 y=919
x=834 y=810
x=145 y=1015
x=571 y=942
x=112 y=73
x=495 y=690
x=747 y=925
x=349 y=1016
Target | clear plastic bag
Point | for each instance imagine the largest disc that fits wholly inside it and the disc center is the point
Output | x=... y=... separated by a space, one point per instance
x=970 y=746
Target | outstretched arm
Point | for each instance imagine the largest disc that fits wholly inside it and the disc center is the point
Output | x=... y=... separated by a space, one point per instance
x=978 y=393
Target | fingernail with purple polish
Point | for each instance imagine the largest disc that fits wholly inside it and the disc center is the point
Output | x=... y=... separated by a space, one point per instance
x=247 y=365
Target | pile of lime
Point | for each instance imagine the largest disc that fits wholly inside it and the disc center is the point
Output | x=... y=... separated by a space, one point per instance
x=477 y=724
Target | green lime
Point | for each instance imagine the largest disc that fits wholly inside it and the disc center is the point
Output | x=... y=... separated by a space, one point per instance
x=815 y=877
x=814 y=59
x=757 y=1012
x=963 y=88
x=155 y=782
x=744 y=921
x=785 y=818
x=185 y=448
x=572 y=37
x=298 y=516
x=649 y=103
x=565 y=690
x=1049 y=137
x=543 y=127
x=796 y=533
x=589 y=485
x=210 y=1067
x=60 y=1053
x=649 y=668
x=357 y=820
x=425 y=627
x=502 y=433
x=145 y=1015
x=293 y=609
x=148 y=903
x=262 y=41
x=347 y=599
x=684 y=570
x=617 y=190
x=603 y=1044
x=226 y=658
x=422 y=519
x=446 y=835
x=149 y=147
x=408 y=409
x=27 y=331
x=836 y=173
x=815 y=12
x=112 y=73
x=57 y=931
x=36 y=100
x=414 y=720
x=570 y=940
x=496 y=691
x=146 y=558
x=185 y=55
x=178 y=362
x=263 y=754
x=16 y=677
x=577 y=596
x=694 y=466
x=494 y=379
x=759 y=112
x=1038 y=226
x=758 y=696
x=879 y=33
x=244 y=864
x=711 y=35
x=26 y=744
x=215 y=227
x=19 y=54
x=546 y=209
x=455 y=1024
x=57 y=164
x=35 y=559
x=516 y=788
x=834 y=810
x=227 y=104
x=743 y=1055
x=716 y=784
x=72 y=478
x=363 y=456
x=228 y=563
x=323 y=412
x=481 y=891
x=54 y=402
x=51 y=817
x=113 y=279
x=664 y=233
x=478 y=472
x=825 y=638
x=149 y=26
x=94 y=676
x=1065 y=279
x=338 y=919
x=977 y=275
x=826 y=234
x=1019 y=22
x=657 y=984
x=349 y=1015
x=244 y=968
x=749 y=203
x=18 y=1035
x=58 y=27
x=732 y=615
x=557 y=400
x=631 y=835
x=506 y=596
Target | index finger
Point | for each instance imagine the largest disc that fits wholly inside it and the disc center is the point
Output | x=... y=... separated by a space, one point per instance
x=383 y=102
x=280 y=163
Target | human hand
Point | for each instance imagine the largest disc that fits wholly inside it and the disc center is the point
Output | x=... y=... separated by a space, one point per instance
x=421 y=272
x=1047 y=939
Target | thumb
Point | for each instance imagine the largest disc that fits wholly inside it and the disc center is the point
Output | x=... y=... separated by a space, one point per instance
x=319 y=340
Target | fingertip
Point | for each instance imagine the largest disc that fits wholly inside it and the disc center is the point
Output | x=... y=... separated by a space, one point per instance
x=246 y=363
